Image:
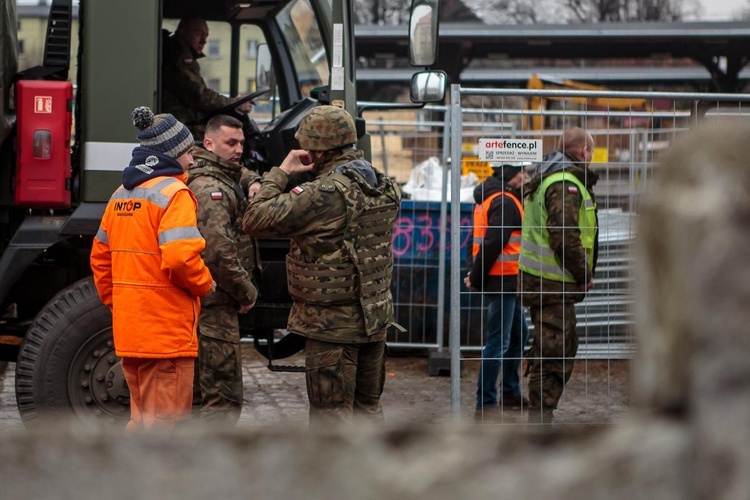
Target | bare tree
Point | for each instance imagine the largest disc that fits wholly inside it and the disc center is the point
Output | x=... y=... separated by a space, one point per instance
x=626 y=10
x=381 y=12
x=498 y=12
x=593 y=11
x=743 y=13
x=509 y=12
x=390 y=12
x=582 y=11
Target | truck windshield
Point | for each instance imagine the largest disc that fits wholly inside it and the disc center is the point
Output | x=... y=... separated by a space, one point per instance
x=302 y=36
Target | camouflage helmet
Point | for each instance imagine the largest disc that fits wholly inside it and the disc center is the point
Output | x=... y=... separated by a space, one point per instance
x=326 y=127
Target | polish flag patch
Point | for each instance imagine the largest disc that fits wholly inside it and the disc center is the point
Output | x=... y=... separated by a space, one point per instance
x=217 y=195
x=298 y=190
x=573 y=189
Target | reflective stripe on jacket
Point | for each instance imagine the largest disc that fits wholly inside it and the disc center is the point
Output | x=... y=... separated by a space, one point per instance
x=507 y=262
x=148 y=270
x=537 y=257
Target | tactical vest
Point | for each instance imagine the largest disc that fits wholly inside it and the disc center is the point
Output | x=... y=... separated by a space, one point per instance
x=537 y=258
x=361 y=273
x=246 y=249
x=507 y=262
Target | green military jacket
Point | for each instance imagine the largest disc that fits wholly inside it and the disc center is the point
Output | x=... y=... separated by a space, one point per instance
x=563 y=202
x=184 y=92
x=230 y=254
x=314 y=215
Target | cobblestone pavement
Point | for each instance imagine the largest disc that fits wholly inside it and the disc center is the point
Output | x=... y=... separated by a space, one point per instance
x=597 y=393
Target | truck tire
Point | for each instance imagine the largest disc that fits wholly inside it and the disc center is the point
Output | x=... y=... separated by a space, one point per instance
x=67 y=367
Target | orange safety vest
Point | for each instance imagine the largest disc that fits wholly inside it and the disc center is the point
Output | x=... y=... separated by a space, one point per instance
x=148 y=270
x=507 y=262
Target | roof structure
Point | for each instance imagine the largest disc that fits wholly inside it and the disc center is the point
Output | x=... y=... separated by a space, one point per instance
x=697 y=76
x=720 y=50
x=721 y=47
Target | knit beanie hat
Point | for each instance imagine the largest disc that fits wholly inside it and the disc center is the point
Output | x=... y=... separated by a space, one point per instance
x=509 y=169
x=162 y=133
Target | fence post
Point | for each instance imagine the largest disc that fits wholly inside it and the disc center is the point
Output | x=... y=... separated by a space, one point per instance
x=442 y=229
x=384 y=152
x=455 y=309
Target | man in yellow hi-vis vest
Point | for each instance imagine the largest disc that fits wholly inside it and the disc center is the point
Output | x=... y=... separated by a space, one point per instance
x=557 y=263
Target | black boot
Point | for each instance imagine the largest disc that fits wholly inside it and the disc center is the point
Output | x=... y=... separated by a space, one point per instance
x=541 y=416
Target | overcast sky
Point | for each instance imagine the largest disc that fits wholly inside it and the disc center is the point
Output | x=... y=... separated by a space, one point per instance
x=713 y=10
x=721 y=9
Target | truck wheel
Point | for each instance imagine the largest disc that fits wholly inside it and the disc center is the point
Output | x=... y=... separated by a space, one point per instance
x=67 y=365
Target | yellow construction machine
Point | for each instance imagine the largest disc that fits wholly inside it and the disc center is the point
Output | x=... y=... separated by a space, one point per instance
x=539 y=104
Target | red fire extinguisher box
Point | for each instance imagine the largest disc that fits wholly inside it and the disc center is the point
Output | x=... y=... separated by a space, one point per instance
x=43 y=118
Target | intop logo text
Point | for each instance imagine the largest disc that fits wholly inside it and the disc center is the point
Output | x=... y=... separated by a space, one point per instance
x=126 y=208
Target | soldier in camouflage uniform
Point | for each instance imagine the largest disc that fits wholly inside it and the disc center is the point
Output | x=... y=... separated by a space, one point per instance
x=231 y=256
x=184 y=93
x=339 y=265
x=557 y=263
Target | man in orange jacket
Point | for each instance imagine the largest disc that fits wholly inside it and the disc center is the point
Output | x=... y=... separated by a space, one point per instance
x=148 y=270
x=494 y=271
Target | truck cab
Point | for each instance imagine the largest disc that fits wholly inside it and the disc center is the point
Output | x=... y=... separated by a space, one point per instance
x=63 y=152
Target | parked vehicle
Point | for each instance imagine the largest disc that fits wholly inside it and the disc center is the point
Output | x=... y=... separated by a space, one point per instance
x=55 y=183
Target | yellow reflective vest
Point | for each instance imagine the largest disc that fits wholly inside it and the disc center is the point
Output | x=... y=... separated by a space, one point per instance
x=537 y=257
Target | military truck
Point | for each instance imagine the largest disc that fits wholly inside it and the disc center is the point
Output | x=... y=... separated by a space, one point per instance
x=62 y=154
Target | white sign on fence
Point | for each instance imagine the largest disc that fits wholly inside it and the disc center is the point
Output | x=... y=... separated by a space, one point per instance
x=498 y=150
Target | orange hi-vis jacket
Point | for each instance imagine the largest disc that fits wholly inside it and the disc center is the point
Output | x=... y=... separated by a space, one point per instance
x=507 y=262
x=148 y=269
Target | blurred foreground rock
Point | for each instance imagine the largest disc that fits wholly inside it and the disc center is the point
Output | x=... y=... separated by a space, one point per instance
x=688 y=438
x=693 y=299
x=635 y=460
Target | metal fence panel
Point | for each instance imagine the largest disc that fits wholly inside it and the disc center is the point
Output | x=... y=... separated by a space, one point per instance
x=420 y=296
x=628 y=141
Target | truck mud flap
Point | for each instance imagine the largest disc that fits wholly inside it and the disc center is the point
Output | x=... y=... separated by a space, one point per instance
x=34 y=236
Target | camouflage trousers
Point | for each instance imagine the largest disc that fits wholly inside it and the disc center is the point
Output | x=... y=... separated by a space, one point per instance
x=220 y=365
x=344 y=381
x=550 y=360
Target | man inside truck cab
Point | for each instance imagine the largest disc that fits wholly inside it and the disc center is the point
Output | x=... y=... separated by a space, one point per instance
x=184 y=92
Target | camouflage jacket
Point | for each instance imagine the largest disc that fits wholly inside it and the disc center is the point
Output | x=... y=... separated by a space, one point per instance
x=563 y=207
x=184 y=93
x=314 y=215
x=230 y=254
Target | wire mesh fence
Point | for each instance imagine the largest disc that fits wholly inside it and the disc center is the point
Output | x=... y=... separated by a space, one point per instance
x=433 y=237
x=400 y=144
x=629 y=131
